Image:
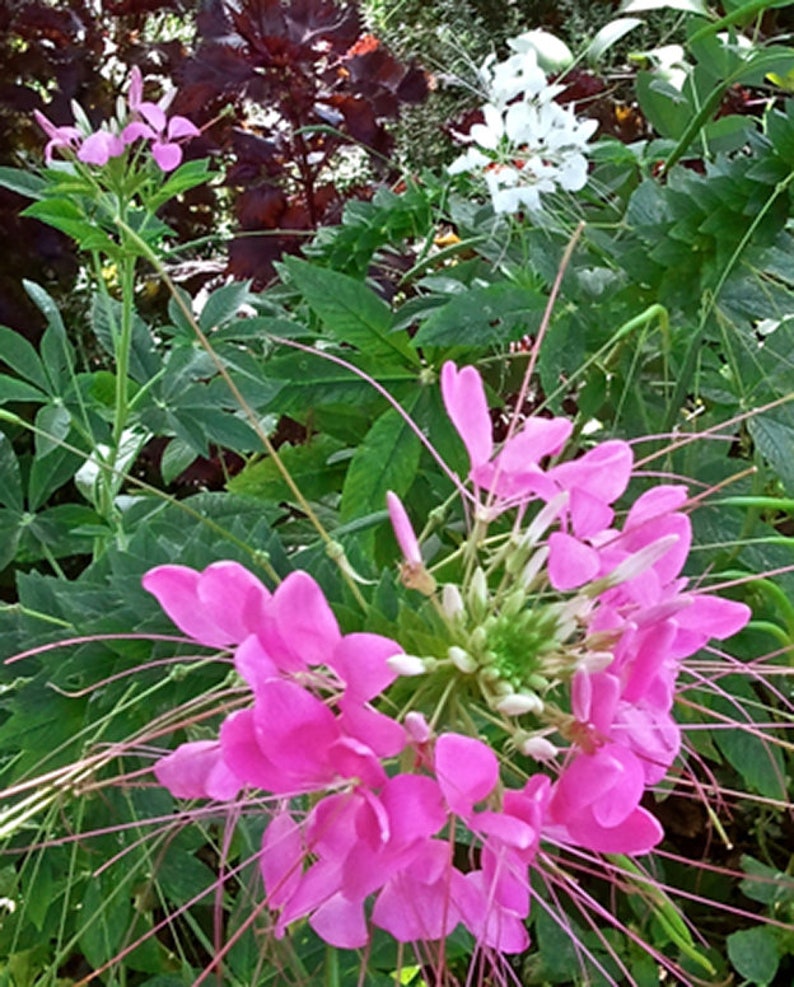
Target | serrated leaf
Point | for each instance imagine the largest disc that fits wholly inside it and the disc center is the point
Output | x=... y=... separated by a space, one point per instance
x=773 y=434
x=350 y=311
x=309 y=466
x=495 y=313
x=754 y=954
x=387 y=459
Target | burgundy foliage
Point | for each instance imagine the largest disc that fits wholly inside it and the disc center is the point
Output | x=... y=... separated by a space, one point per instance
x=289 y=84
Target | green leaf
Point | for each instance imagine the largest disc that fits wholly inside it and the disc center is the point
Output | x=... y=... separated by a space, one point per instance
x=350 y=310
x=12 y=389
x=387 y=459
x=754 y=954
x=495 y=313
x=187 y=176
x=49 y=473
x=668 y=110
x=105 y=318
x=53 y=422
x=223 y=305
x=10 y=480
x=773 y=434
x=766 y=884
x=176 y=459
x=22 y=182
x=106 y=912
x=56 y=351
x=310 y=465
x=67 y=218
x=10 y=532
x=21 y=356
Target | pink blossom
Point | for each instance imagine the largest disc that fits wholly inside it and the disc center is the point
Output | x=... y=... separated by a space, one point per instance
x=98 y=148
x=513 y=475
x=595 y=803
x=69 y=138
x=153 y=125
x=403 y=530
x=221 y=606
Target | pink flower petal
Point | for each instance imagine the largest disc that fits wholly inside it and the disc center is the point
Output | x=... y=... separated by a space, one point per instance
x=467 y=771
x=100 y=147
x=360 y=662
x=176 y=589
x=571 y=562
x=302 y=630
x=464 y=398
x=181 y=127
x=340 y=922
x=198 y=770
x=383 y=735
x=282 y=859
x=167 y=156
x=135 y=130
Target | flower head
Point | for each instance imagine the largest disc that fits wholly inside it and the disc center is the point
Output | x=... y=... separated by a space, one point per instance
x=527 y=145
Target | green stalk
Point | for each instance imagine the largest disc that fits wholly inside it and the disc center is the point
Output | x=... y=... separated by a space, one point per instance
x=146 y=251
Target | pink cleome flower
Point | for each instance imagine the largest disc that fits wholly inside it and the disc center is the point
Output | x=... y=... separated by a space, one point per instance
x=376 y=846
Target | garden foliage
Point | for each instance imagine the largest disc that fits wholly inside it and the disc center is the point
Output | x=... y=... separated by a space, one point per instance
x=545 y=738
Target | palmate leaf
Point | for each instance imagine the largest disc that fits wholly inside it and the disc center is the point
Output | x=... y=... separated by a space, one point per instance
x=350 y=311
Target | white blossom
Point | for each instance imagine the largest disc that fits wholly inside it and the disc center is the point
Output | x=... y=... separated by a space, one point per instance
x=527 y=145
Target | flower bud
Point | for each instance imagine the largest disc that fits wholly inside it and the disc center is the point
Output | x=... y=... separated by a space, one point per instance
x=462 y=660
x=417 y=727
x=533 y=567
x=538 y=748
x=407 y=665
x=478 y=595
x=519 y=703
x=514 y=603
x=452 y=602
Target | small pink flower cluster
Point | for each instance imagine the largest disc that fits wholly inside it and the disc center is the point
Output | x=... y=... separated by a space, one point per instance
x=312 y=728
x=147 y=121
x=581 y=641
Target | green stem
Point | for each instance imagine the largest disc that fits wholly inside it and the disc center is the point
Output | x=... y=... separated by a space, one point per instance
x=331 y=967
x=145 y=250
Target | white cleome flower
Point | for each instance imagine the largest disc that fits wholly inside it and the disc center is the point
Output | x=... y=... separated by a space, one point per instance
x=527 y=145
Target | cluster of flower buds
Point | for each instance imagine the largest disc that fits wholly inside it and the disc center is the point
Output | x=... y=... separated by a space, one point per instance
x=137 y=119
x=528 y=145
x=542 y=712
